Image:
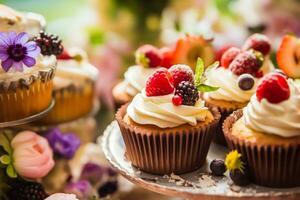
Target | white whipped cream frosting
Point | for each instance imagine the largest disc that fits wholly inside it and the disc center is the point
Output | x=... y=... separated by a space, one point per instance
x=136 y=77
x=228 y=84
x=282 y=119
x=12 y=20
x=42 y=63
x=76 y=69
x=160 y=111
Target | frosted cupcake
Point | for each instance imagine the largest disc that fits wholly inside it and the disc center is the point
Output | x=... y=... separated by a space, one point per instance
x=148 y=60
x=11 y=20
x=73 y=88
x=237 y=77
x=166 y=128
x=267 y=133
x=26 y=77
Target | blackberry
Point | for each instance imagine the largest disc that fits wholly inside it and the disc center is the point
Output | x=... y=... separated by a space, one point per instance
x=50 y=44
x=218 y=167
x=108 y=188
x=26 y=190
x=188 y=92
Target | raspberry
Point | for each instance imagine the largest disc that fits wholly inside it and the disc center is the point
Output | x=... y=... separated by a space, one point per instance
x=160 y=83
x=247 y=62
x=217 y=167
x=148 y=56
x=177 y=100
x=258 y=42
x=274 y=87
x=219 y=53
x=181 y=73
x=26 y=190
x=50 y=44
x=228 y=56
x=188 y=92
x=167 y=57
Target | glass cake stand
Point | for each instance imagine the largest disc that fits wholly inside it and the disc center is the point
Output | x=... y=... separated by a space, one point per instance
x=199 y=184
x=28 y=119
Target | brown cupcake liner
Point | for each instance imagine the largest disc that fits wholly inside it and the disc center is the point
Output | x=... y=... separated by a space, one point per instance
x=164 y=151
x=71 y=102
x=225 y=112
x=272 y=165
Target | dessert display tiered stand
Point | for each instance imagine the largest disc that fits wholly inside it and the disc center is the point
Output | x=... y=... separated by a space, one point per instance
x=29 y=119
x=196 y=185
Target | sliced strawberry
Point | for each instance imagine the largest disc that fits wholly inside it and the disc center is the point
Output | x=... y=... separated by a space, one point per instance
x=189 y=48
x=274 y=87
x=288 y=56
x=160 y=83
x=64 y=55
x=167 y=56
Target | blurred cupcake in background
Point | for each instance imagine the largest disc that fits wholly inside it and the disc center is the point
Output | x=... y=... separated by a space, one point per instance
x=12 y=20
x=73 y=88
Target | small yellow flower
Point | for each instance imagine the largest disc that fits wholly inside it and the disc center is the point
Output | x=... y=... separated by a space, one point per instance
x=233 y=161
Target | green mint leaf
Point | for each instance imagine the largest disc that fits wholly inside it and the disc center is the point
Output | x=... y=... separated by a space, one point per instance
x=11 y=172
x=206 y=88
x=5 y=159
x=199 y=71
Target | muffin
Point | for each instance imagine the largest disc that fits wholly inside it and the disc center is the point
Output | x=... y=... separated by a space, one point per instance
x=26 y=77
x=267 y=133
x=12 y=20
x=166 y=128
x=237 y=78
x=73 y=89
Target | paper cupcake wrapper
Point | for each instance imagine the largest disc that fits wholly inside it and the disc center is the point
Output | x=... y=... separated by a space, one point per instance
x=71 y=103
x=225 y=112
x=269 y=165
x=166 y=151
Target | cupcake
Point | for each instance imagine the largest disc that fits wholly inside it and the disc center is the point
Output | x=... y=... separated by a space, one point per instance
x=237 y=77
x=166 y=128
x=148 y=59
x=186 y=50
x=73 y=88
x=26 y=77
x=267 y=133
x=12 y=20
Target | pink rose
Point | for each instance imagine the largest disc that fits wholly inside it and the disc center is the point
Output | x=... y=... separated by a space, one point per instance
x=62 y=196
x=33 y=157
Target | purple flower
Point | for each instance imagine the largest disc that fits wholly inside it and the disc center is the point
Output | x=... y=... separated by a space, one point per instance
x=64 y=145
x=82 y=189
x=92 y=172
x=16 y=50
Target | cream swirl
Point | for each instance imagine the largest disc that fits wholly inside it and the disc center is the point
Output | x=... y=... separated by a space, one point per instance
x=76 y=68
x=228 y=84
x=161 y=112
x=136 y=77
x=282 y=119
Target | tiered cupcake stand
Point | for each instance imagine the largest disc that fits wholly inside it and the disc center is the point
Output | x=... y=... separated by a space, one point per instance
x=29 y=119
x=196 y=185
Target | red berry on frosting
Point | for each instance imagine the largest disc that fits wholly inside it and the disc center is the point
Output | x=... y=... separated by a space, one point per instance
x=177 y=100
x=64 y=55
x=274 y=87
x=167 y=56
x=160 y=83
x=148 y=56
x=246 y=62
x=258 y=42
x=229 y=56
x=219 y=52
x=181 y=73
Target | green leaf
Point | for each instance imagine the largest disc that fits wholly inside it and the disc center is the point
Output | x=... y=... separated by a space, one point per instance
x=206 y=88
x=199 y=71
x=5 y=138
x=5 y=159
x=11 y=172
